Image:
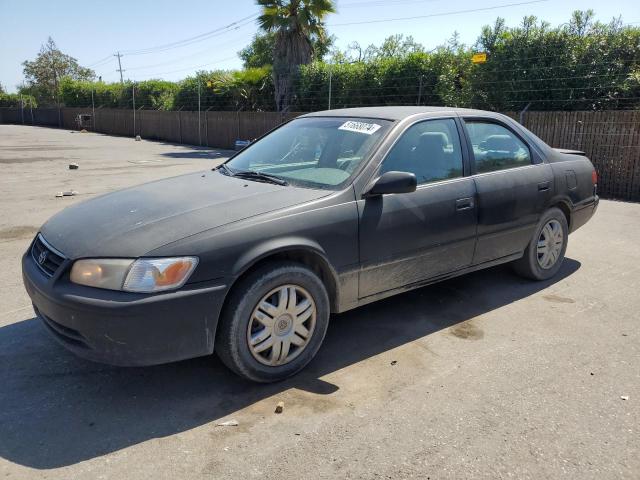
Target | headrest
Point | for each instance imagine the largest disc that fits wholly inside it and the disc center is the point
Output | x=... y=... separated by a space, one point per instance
x=500 y=142
x=433 y=141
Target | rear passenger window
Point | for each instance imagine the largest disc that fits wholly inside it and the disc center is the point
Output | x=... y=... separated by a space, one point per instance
x=430 y=150
x=496 y=147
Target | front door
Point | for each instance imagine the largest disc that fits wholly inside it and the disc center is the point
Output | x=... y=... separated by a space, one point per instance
x=407 y=238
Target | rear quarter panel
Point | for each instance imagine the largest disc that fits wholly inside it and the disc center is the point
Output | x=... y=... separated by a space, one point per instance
x=574 y=186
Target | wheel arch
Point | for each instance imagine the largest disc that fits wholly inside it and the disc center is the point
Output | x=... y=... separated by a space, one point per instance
x=302 y=251
x=564 y=205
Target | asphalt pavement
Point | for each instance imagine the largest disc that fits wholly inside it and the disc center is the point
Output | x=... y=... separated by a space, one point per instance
x=484 y=376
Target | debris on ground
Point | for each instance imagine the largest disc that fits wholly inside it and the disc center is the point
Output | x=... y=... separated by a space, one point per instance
x=393 y=362
x=69 y=193
x=624 y=397
x=138 y=138
x=73 y=166
x=228 y=423
x=280 y=407
x=83 y=131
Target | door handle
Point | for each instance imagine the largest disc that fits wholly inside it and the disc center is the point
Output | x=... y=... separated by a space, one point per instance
x=543 y=186
x=464 y=204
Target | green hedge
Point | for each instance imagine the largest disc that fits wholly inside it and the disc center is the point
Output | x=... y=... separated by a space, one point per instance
x=16 y=100
x=582 y=65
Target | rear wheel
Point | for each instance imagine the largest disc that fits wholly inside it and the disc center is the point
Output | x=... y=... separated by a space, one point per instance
x=274 y=322
x=544 y=255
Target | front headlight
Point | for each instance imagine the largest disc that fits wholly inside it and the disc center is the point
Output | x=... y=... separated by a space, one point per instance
x=106 y=273
x=144 y=275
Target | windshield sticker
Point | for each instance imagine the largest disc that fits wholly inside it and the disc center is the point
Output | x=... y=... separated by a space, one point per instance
x=360 y=127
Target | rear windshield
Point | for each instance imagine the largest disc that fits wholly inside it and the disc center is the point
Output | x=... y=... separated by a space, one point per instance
x=314 y=152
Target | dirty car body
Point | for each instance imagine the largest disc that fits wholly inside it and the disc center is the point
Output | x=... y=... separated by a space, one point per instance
x=486 y=186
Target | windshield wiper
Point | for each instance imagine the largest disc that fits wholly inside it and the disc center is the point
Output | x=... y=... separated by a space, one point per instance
x=258 y=176
x=224 y=169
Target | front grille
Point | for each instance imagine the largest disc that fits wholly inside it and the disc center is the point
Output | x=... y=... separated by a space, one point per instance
x=45 y=256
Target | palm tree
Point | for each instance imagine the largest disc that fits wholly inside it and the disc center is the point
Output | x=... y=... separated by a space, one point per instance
x=295 y=23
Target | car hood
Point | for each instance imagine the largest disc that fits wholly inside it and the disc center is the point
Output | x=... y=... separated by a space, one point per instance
x=134 y=221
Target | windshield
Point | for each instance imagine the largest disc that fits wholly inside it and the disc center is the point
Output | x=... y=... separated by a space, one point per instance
x=316 y=152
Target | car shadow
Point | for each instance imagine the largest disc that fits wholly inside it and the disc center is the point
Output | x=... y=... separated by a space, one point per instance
x=58 y=410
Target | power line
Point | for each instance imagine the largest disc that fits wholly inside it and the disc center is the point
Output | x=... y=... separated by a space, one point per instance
x=144 y=67
x=194 y=67
x=177 y=44
x=100 y=62
x=442 y=14
x=382 y=3
x=198 y=38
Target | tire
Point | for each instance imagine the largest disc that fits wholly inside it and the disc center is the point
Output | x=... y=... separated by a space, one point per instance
x=533 y=264
x=243 y=330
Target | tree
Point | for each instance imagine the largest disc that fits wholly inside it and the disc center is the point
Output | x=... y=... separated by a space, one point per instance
x=259 y=52
x=396 y=46
x=2 y=89
x=242 y=88
x=295 y=23
x=43 y=75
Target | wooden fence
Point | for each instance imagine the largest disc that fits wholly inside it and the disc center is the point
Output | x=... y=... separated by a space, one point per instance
x=611 y=139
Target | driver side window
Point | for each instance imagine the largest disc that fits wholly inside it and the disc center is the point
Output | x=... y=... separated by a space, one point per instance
x=430 y=150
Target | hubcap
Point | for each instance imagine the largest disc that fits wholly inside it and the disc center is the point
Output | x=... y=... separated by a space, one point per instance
x=550 y=244
x=281 y=325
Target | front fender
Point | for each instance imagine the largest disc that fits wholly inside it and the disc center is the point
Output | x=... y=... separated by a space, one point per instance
x=276 y=246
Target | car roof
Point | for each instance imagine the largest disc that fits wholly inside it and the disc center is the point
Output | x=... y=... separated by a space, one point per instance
x=396 y=112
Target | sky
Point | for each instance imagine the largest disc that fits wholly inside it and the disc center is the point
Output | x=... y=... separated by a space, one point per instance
x=93 y=31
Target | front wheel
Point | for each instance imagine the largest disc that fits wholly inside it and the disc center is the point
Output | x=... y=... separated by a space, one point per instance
x=274 y=322
x=544 y=255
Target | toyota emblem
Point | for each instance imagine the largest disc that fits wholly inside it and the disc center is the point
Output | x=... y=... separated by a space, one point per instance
x=42 y=257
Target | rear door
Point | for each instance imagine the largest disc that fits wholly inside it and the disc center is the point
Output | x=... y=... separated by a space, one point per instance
x=513 y=187
x=409 y=237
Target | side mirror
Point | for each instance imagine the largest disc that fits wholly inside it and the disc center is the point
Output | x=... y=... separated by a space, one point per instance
x=393 y=182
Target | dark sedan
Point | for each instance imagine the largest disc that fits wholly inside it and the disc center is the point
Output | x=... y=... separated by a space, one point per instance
x=328 y=212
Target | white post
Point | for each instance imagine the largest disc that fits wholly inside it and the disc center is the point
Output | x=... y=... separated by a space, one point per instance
x=330 y=74
x=93 y=112
x=133 y=90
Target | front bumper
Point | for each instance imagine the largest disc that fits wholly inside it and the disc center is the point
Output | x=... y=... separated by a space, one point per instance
x=122 y=328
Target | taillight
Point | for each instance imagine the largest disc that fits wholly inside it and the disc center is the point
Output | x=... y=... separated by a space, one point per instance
x=594 y=177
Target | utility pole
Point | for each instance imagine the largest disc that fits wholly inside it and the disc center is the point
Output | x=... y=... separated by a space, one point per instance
x=22 y=107
x=119 y=66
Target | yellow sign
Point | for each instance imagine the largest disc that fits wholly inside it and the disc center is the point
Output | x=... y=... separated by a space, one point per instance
x=479 y=57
